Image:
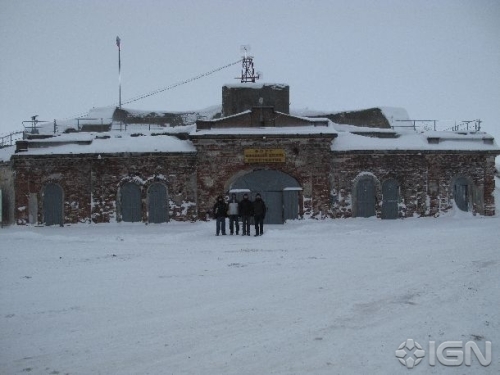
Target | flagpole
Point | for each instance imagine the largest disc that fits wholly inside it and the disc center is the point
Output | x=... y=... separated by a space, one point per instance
x=118 y=44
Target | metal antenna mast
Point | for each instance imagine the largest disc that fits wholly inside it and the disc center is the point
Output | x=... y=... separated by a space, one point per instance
x=247 y=70
x=118 y=44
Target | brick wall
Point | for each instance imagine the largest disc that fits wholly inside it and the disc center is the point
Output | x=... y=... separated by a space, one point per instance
x=7 y=187
x=241 y=98
x=258 y=117
x=91 y=183
x=425 y=179
x=221 y=162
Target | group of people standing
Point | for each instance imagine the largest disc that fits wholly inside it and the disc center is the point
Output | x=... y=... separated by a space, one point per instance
x=246 y=209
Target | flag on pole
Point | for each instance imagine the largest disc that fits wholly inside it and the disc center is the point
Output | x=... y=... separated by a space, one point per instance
x=118 y=41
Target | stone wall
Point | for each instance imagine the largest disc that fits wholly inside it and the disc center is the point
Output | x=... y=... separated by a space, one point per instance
x=91 y=184
x=372 y=118
x=221 y=162
x=256 y=118
x=8 y=193
x=237 y=99
x=425 y=180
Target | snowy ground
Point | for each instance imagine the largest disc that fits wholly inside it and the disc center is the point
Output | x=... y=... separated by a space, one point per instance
x=308 y=297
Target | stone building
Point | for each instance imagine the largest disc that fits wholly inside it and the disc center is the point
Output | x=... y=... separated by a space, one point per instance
x=155 y=167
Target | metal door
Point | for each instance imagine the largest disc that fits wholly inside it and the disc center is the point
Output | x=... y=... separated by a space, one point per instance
x=271 y=184
x=390 y=199
x=53 y=205
x=461 y=194
x=274 y=205
x=131 y=205
x=157 y=203
x=290 y=204
x=365 y=198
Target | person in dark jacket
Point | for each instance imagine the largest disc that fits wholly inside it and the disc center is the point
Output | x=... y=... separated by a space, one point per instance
x=259 y=214
x=220 y=214
x=246 y=212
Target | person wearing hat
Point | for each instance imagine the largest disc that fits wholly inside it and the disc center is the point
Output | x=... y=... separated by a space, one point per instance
x=220 y=214
x=245 y=209
x=259 y=214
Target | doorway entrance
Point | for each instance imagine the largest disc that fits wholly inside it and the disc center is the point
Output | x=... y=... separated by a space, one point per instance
x=279 y=191
x=461 y=193
x=53 y=205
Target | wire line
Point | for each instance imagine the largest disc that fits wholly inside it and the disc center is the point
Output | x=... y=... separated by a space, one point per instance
x=151 y=93
x=140 y=97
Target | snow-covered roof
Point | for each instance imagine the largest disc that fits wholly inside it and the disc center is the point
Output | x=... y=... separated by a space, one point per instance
x=141 y=137
x=252 y=85
x=345 y=140
x=395 y=115
x=102 y=112
x=6 y=153
x=410 y=140
x=116 y=143
x=104 y=117
x=274 y=130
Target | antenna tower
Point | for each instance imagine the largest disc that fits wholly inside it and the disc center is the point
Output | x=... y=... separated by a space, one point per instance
x=247 y=70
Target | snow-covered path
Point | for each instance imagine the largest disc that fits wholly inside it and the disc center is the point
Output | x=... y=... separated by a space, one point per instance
x=308 y=297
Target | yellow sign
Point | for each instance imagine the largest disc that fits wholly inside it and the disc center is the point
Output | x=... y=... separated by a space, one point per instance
x=256 y=155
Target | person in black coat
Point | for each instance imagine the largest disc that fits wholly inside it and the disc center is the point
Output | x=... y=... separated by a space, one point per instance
x=220 y=214
x=259 y=214
x=245 y=208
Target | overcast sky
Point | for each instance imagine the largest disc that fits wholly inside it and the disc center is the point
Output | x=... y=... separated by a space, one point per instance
x=437 y=59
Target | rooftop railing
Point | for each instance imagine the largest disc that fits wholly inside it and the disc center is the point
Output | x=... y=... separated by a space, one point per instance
x=10 y=139
x=440 y=125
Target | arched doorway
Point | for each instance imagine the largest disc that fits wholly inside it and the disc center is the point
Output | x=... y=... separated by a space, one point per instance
x=461 y=193
x=390 y=199
x=131 y=203
x=157 y=203
x=279 y=191
x=365 y=197
x=53 y=205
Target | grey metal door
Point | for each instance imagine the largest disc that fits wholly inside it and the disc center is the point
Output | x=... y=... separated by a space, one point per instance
x=290 y=204
x=53 y=205
x=461 y=194
x=390 y=199
x=157 y=203
x=274 y=204
x=365 y=198
x=131 y=202
x=270 y=184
